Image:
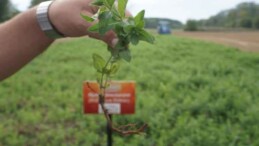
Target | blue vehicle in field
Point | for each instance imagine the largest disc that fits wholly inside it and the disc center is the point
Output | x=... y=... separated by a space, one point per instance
x=164 y=27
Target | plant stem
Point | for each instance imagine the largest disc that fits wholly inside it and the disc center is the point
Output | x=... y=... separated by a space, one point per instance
x=121 y=130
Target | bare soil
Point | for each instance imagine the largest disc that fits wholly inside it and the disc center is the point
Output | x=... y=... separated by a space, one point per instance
x=247 y=41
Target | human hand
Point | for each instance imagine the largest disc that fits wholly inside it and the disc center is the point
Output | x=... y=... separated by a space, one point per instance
x=65 y=16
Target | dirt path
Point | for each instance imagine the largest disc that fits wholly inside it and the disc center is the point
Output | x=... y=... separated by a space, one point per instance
x=247 y=41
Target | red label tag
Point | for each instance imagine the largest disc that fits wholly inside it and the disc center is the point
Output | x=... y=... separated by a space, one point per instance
x=119 y=98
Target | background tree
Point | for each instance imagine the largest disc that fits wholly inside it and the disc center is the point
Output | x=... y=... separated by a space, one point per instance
x=191 y=25
x=7 y=10
x=4 y=8
x=256 y=23
x=243 y=15
x=36 y=2
x=246 y=23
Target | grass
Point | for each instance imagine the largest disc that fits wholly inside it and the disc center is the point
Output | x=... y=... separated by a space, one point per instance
x=191 y=93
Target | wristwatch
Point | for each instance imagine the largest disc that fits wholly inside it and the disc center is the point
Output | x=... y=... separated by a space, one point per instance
x=45 y=24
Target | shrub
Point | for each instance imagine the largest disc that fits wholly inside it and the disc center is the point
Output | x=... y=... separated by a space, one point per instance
x=256 y=23
x=246 y=23
x=191 y=25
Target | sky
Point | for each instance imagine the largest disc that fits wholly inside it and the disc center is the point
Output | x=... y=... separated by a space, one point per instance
x=181 y=10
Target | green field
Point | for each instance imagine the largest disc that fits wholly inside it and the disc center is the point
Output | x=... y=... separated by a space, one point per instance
x=191 y=93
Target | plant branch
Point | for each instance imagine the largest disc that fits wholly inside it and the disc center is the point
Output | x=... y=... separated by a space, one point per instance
x=111 y=16
x=122 y=130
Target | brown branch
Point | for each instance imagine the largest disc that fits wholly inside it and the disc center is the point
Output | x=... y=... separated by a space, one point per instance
x=88 y=85
x=123 y=130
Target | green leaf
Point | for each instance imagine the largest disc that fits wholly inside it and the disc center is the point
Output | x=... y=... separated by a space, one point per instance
x=106 y=71
x=99 y=62
x=131 y=21
x=101 y=10
x=104 y=22
x=122 y=7
x=105 y=15
x=87 y=18
x=145 y=36
x=109 y=3
x=114 y=68
x=115 y=13
x=134 y=35
x=94 y=28
x=139 y=19
x=104 y=29
x=134 y=39
x=98 y=3
x=126 y=55
x=128 y=28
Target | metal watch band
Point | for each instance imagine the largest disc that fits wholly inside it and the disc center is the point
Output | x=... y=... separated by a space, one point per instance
x=44 y=21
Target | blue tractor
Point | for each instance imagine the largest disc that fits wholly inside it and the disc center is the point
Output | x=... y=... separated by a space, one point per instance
x=164 y=27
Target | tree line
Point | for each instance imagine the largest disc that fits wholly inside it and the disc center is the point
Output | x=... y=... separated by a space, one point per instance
x=8 y=10
x=244 y=15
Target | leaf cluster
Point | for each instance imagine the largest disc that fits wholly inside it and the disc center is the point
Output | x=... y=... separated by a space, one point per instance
x=111 y=16
x=104 y=68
